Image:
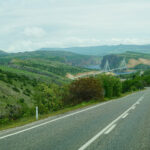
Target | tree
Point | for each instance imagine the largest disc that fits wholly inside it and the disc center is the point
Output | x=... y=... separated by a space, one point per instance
x=112 y=85
x=47 y=98
x=85 y=89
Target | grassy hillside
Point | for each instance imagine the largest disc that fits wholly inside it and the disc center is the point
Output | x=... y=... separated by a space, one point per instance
x=15 y=88
x=59 y=56
x=41 y=69
x=21 y=74
x=45 y=65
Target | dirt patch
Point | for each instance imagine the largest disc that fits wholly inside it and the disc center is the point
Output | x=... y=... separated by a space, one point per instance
x=133 y=62
x=70 y=76
x=85 y=74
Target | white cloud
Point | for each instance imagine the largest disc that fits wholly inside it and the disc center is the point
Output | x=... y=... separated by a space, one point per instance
x=32 y=24
x=34 y=32
x=28 y=45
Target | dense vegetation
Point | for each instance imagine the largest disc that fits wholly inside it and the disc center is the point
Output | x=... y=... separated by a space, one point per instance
x=19 y=94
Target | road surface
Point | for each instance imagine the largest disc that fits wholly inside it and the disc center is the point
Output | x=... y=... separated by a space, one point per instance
x=122 y=124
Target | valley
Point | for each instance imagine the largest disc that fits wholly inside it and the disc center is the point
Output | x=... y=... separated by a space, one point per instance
x=28 y=77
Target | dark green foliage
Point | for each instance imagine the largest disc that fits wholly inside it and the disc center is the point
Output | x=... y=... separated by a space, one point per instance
x=133 y=84
x=16 y=89
x=21 y=100
x=85 y=89
x=13 y=111
x=112 y=85
x=146 y=80
x=27 y=92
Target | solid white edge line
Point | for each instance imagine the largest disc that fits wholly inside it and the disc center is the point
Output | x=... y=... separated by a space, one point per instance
x=110 y=129
x=106 y=128
x=133 y=107
x=42 y=124
x=125 y=115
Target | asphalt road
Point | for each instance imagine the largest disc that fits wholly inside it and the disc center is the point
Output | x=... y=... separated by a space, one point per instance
x=122 y=124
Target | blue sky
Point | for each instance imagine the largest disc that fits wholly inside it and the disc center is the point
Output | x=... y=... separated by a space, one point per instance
x=27 y=25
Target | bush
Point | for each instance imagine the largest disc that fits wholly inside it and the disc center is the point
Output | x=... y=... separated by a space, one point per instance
x=21 y=100
x=112 y=85
x=133 y=84
x=27 y=92
x=16 y=89
x=13 y=111
x=47 y=98
x=85 y=89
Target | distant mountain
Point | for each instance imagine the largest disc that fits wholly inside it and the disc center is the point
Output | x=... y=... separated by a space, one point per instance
x=103 y=50
x=2 y=53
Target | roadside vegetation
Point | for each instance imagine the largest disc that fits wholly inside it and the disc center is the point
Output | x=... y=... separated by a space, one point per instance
x=19 y=94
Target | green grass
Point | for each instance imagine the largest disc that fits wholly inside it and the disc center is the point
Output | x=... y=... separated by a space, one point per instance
x=32 y=75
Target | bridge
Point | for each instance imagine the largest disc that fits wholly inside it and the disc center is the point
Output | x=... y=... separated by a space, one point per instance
x=106 y=69
x=122 y=66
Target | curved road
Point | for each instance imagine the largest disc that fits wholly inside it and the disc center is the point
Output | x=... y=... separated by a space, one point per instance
x=122 y=124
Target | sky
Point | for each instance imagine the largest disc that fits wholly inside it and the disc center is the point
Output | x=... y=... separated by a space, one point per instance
x=27 y=25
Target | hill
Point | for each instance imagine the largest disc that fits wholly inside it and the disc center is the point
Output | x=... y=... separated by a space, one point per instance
x=45 y=65
x=103 y=50
x=15 y=88
x=2 y=53
x=22 y=73
x=59 y=56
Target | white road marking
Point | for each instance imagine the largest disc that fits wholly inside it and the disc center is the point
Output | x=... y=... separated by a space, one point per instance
x=141 y=98
x=133 y=107
x=110 y=129
x=42 y=124
x=106 y=128
x=125 y=115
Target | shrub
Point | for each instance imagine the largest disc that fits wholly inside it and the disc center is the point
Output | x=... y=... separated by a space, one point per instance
x=85 y=89
x=47 y=98
x=15 y=89
x=112 y=85
x=13 y=111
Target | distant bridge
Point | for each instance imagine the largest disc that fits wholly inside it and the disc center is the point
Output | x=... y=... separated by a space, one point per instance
x=122 y=66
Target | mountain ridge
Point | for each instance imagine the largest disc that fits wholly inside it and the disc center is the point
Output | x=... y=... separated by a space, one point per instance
x=103 y=50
